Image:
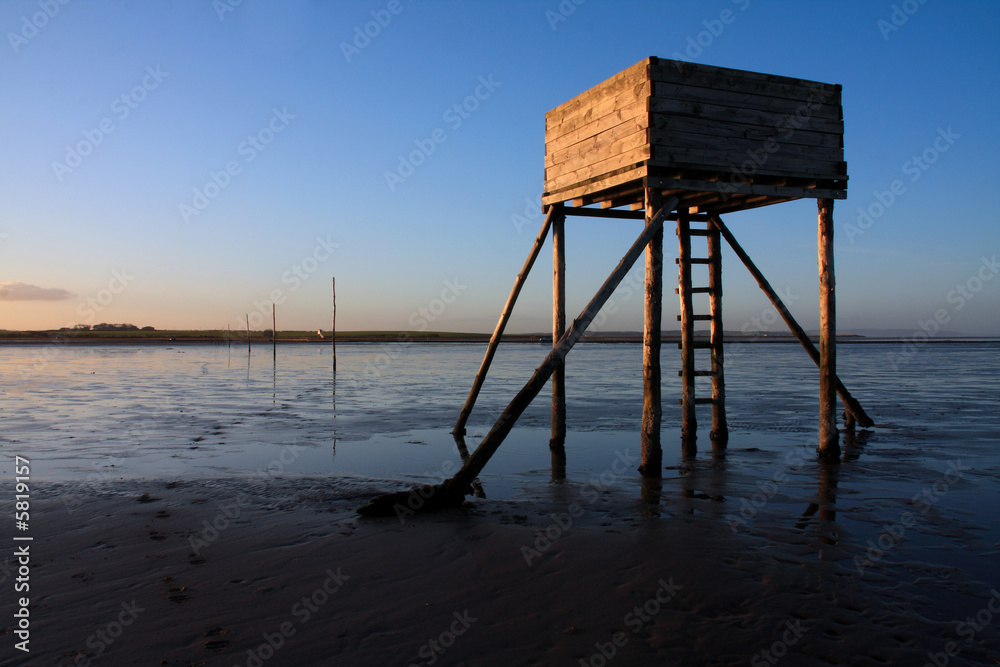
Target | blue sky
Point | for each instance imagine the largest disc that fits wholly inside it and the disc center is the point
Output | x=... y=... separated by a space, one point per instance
x=288 y=135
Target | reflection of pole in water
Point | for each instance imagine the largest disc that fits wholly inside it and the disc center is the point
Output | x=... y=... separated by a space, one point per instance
x=558 y=451
x=826 y=505
x=333 y=332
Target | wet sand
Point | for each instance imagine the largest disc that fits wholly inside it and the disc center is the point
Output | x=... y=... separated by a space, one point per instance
x=123 y=578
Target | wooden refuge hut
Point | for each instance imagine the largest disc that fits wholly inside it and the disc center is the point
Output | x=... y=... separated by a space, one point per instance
x=669 y=140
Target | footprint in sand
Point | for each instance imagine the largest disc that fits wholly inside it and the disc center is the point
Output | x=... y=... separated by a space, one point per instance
x=157 y=536
x=217 y=641
x=175 y=593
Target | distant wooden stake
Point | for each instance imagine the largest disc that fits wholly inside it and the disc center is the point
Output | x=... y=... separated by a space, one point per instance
x=274 y=332
x=508 y=308
x=248 y=333
x=829 y=446
x=333 y=333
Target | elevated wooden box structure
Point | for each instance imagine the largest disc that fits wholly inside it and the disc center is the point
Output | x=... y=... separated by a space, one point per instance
x=720 y=139
x=667 y=140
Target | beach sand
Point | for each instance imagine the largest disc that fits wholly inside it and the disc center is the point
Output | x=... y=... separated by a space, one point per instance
x=290 y=575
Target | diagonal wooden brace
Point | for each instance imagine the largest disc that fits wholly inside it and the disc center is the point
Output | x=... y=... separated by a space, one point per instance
x=852 y=405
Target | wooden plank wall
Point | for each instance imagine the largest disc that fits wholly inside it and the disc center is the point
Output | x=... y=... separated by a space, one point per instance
x=599 y=132
x=717 y=118
x=699 y=123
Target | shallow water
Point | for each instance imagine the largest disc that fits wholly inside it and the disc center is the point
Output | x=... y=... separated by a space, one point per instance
x=910 y=514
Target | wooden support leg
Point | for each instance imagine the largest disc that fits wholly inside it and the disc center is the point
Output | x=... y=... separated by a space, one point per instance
x=850 y=403
x=829 y=446
x=508 y=308
x=720 y=429
x=652 y=408
x=689 y=422
x=452 y=491
x=558 y=439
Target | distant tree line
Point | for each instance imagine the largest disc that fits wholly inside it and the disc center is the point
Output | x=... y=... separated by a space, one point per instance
x=104 y=326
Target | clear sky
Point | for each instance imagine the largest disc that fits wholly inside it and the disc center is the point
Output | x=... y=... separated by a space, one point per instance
x=177 y=163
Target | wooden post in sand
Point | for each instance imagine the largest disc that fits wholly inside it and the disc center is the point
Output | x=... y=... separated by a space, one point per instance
x=689 y=419
x=248 y=333
x=274 y=333
x=829 y=446
x=333 y=331
x=652 y=407
x=508 y=308
x=558 y=439
x=720 y=427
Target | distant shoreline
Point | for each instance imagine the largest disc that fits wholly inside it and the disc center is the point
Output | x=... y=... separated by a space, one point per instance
x=390 y=337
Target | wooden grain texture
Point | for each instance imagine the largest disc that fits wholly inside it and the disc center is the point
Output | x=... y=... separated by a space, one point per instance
x=716 y=131
x=720 y=426
x=652 y=407
x=689 y=422
x=829 y=445
x=558 y=437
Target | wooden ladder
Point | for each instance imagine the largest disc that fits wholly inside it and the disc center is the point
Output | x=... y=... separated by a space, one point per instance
x=688 y=345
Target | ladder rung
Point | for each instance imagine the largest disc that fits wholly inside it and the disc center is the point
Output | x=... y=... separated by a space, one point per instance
x=696 y=290
x=697 y=374
x=694 y=260
x=697 y=318
x=699 y=232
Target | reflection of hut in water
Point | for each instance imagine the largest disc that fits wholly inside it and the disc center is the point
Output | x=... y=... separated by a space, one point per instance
x=668 y=140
